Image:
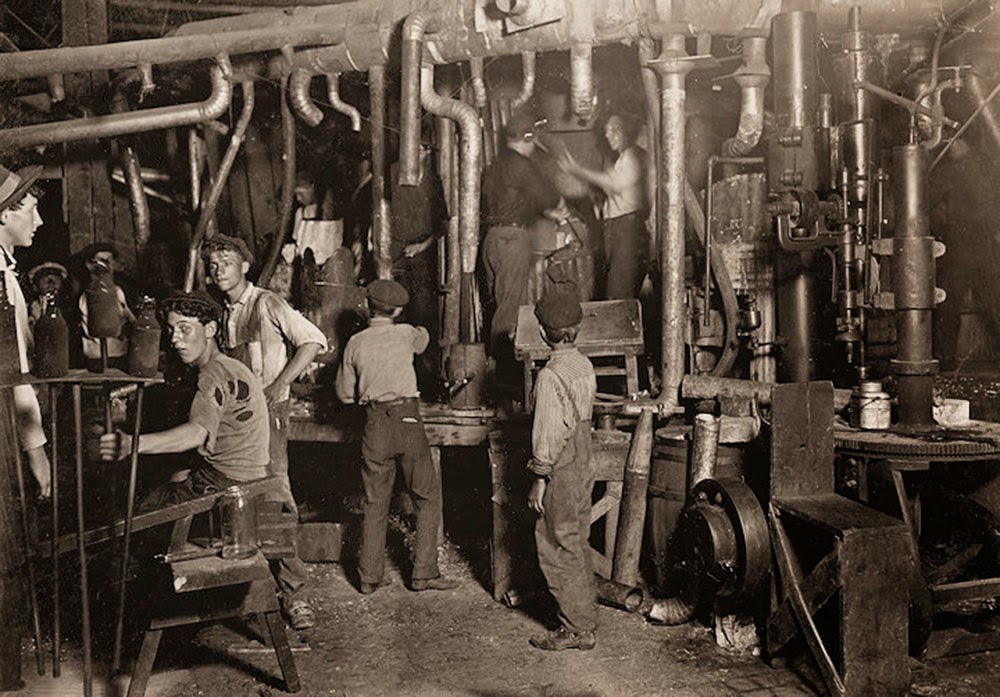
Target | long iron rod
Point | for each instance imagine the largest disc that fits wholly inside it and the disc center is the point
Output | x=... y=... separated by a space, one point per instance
x=88 y=663
x=54 y=469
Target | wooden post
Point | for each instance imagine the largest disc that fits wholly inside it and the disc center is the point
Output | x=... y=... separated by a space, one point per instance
x=11 y=591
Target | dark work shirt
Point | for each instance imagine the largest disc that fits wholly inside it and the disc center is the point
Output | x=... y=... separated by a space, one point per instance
x=418 y=212
x=515 y=192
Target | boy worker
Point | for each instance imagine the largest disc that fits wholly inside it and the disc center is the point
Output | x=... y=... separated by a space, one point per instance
x=377 y=372
x=560 y=493
x=259 y=326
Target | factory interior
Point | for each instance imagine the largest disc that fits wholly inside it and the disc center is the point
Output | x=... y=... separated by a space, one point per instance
x=789 y=312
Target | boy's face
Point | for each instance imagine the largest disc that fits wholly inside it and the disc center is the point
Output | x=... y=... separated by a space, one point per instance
x=227 y=269
x=17 y=226
x=101 y=260
x=48 y=283
x=190 y=338
x=305 y=193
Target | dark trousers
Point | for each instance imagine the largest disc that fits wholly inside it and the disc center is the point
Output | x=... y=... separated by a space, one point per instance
x=562 y=535
x=625 y=255
x=507 y=262
x=394 y=435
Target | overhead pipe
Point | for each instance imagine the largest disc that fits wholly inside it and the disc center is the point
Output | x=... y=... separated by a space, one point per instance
x=673 y=70
x=111 y=125
x=298 y=95
x=339 y=105
x=381 y=220
x=478 y=81
x=752 y=77
x=288 y=173
x=527 y=81
x=221 y=177
x=469 y=189
x=416 y=25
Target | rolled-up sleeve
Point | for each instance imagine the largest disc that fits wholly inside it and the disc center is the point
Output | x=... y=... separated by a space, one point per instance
x=420 y=339
x=550 y=428
x=347 y=378
x=292 y=325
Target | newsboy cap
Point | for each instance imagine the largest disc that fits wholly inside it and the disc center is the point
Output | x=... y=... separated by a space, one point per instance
x=13 y=185
x=47 y=267
x=388 y=293
x=559 y=308
x=218 y=243
x=521 y=124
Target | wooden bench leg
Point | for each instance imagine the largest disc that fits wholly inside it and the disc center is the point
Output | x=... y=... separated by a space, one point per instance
x=144 y=663
x=276 y=627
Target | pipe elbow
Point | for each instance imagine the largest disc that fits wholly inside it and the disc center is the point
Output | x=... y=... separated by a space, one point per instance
x=222 y=90
x=673 y=611
x=298 y=95
x=528 y=81
x=751 y=124
x=333 y=92
x=415 y=26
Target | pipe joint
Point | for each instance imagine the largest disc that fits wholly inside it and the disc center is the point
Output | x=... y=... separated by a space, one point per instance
x=333 y=92
x=298 y=95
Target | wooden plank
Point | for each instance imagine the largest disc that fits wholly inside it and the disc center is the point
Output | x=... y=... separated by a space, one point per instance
x=214 y=572
x=837 y=514
x=216 y=604
x=817 y=588
x=802 y=439
x=958 y=641
x=607 y=325
x=978 y=589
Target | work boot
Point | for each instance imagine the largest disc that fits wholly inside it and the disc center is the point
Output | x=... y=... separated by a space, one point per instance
x=369 y=588
x=300 y=615
x=562 y=639
x=434 y=584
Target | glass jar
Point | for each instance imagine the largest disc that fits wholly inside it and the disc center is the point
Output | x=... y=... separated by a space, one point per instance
x=238 y=521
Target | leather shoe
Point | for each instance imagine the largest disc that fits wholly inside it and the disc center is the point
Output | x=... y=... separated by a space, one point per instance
x=434 y=584
x=369 y=588
x=562 y=639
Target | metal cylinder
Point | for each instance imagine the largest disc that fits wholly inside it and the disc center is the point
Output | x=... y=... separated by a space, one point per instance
x=704 y=448
x=633 y=508
x=619 y=595
x=797 y=325
x=793 y=41
x=581 y=78
x=913 y=282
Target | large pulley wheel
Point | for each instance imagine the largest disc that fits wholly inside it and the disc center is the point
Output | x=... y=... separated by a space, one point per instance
x=723 y=538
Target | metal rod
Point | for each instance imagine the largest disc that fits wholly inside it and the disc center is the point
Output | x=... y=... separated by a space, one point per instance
x=380 y=219
x=129 y=513
x=287 y=185
x=707 y=319
x=908 y=104
x=26 y=534
x=88 y=662
x=54 y=469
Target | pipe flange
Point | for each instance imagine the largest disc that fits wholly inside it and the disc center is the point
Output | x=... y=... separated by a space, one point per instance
x=927 y=366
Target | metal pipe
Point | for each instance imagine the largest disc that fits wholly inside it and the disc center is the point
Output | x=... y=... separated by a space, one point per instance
x=414 y=28
x=81 y=528
x=333 y=93
x=704 y=448
x=527 y=81
x=581 y=78
x=672 y=69
x=752 y=77
x=452 y=256
x=625 y=565
x=132 y=173
x=469 y=185
x=908 y=104
x=221 y=176
x=618 y=595
x=36 y=623
x=126 y=540
x=381 y=232
x=54 y=478
x=913 y=285
x=298 y=95
x=111 y=125
x=478 y=81
x=287 y=185
x=992 y=121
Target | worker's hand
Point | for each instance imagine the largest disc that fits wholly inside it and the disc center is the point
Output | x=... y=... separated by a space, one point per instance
x=38 y=461
x=115 y=446
x=412 y=250
x=567 y=162
x=536 y=494
x=272 y=393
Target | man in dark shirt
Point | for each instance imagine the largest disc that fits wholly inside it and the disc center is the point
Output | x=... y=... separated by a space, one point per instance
x=515 y=195
x=419 y=218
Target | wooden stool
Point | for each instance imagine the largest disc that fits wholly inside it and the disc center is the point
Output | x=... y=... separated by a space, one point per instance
x=210 y=589
x=610 y=335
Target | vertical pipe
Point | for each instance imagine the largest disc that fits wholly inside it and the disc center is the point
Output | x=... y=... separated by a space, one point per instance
x=478 y=81
x=581 y=78
x=647 y=52
x=81 y=527
x=913 y=284
x=453 y=269
x=380 y=218
x=704 y=448
x=625 y=566
x=287 y=185
x=414 y=27
x=673 y=71
x=333 y=92
x=129 y=513
x=56 y=610
x=527 y=81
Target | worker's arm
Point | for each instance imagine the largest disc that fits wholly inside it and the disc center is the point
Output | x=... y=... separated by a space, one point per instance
x=613 y=180
x=291 y=326
x=187 y=436
x=347 y=378
x=300 y=360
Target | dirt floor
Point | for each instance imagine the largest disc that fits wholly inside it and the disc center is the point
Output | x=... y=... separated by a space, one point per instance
x=461 y=642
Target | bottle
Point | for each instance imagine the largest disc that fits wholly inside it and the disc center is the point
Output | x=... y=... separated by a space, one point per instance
x=238 y=522
x=104 y=312
x=144 y=347
x=10 y=370
x=51 y=358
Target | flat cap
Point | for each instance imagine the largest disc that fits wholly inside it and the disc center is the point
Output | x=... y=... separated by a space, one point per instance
x=219 y=243
x=521 y=124
x=388 y=293
x=93 y=248
x=559 y=308
x=195 y=303
x=47 y=267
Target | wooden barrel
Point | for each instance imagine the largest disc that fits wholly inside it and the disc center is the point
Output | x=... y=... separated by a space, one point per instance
x=668 y=488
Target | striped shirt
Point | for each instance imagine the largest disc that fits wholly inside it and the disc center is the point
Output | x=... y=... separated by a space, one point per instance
x=564 y=396
x=378 y=362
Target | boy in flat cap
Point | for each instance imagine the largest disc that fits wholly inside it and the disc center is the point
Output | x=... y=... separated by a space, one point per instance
x=258 y=327
x=18 y=221
x=560 y=462
x=377 y=372
x=101 y=260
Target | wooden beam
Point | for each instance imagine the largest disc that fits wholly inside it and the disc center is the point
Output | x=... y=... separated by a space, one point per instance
x=817 y=588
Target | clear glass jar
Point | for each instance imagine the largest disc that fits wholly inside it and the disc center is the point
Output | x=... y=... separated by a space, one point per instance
x=238 y=521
